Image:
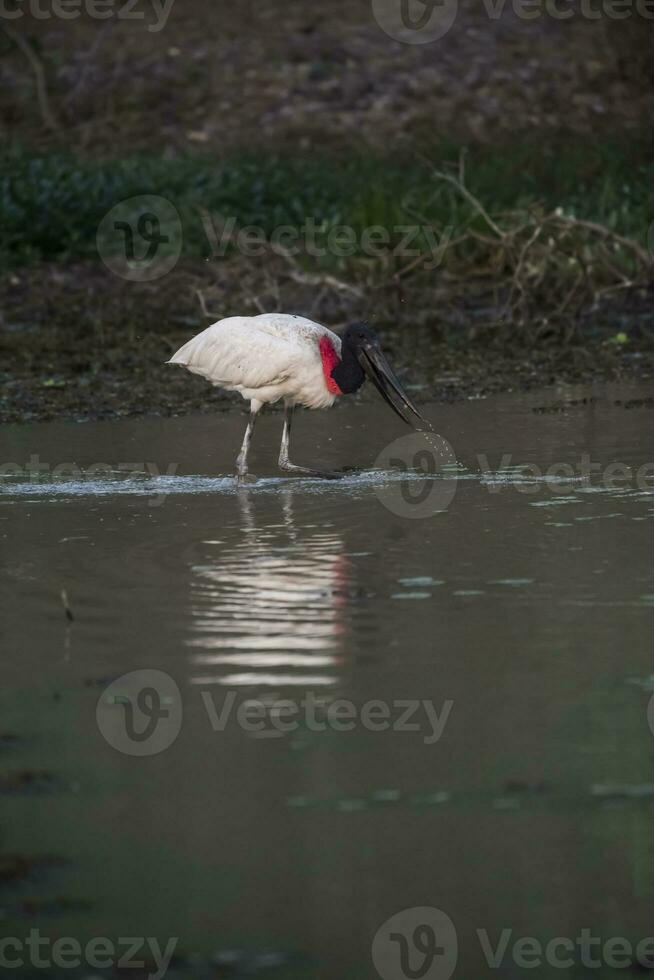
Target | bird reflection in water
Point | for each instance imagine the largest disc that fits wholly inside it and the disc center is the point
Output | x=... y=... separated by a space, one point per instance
x=268 y=612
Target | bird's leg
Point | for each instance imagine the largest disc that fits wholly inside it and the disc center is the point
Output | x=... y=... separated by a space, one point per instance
x=242 y=458
x=285 y=463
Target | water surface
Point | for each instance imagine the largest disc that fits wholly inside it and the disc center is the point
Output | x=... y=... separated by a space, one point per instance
x=525 y=603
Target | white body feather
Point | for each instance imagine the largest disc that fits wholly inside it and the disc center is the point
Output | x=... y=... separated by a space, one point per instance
x=265 y=358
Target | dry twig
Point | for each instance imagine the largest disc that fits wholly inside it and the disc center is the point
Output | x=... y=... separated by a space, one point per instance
x=47 y=114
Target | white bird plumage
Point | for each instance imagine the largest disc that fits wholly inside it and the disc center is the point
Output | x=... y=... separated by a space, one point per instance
x=278 y=355
x=264 y=357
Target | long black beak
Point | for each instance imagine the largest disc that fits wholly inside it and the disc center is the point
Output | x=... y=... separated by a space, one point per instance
x=387 y=384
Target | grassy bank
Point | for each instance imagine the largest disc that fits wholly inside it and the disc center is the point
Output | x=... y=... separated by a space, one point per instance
x=51 y=204
x=529 y=266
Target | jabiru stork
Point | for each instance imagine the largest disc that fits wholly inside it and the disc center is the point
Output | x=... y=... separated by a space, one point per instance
x=279 y=355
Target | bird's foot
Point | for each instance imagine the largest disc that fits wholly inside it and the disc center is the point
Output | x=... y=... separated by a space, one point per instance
x=287 y=467
x=245 y=479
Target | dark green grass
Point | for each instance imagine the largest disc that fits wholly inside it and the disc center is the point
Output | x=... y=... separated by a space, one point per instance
x=51 y=205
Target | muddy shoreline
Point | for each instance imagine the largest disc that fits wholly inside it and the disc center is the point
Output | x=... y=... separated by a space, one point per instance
x=79 y=344
x=146 y=387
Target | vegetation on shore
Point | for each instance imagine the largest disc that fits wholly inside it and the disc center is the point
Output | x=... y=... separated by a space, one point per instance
x=51 y=203
x=524 y=248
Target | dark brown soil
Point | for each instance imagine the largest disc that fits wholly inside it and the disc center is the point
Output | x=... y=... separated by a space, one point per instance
x=80 y=343
x=231 y=75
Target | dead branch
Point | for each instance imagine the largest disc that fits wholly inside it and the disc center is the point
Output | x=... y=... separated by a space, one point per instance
x=203 y=306
x=471 y=199
x=314 y=279
x=36 y=64
x=605 y=232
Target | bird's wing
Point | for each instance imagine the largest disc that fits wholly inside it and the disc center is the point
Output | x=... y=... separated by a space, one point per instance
x=239 y=352
x=297 y=330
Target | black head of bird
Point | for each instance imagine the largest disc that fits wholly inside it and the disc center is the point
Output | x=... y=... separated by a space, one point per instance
x=361 y=358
